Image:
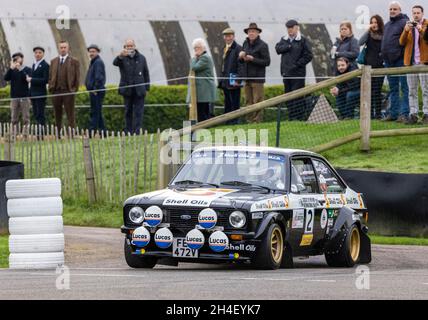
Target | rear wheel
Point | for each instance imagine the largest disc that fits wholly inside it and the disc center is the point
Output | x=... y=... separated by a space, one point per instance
x=271 y=251
x=138 y=262
x=347 y=254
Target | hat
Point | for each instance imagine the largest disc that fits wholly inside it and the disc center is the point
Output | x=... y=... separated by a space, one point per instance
x=94 y=46
x=17 y=54
x=291 y=23
x=228 y=31
x=38 y=48
x=254 y=26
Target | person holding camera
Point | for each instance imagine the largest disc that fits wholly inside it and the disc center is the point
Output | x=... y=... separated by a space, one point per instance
x=416 y=53
x=134 y=85
x=19 y=90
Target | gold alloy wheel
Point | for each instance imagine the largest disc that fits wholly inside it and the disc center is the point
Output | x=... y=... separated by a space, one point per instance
x=277 y=245
x=354 y=246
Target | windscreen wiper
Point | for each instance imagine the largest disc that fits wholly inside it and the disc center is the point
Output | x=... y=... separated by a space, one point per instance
x=244 y=184
x=192 y=182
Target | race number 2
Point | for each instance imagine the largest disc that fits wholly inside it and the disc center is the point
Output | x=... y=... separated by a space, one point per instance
x=309 y=221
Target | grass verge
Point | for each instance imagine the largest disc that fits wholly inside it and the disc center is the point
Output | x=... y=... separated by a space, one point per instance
x=4 y=252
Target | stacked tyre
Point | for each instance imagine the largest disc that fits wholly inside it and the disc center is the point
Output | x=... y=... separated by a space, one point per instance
x=35 y=224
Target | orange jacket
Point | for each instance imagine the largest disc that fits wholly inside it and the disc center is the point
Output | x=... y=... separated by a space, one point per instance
x=406 y=40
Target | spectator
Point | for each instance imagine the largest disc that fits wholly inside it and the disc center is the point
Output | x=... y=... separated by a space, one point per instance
x=393 y=55
x=295 y=53
x=255 y=57
x=95 y=81
x=372 y=39
x=19 y=91
x=38 y=81
x=416 y=53
x=64 y=75
x=134 y=85
x=346 y=46
x=347 y=93
x=203 y=66
x=229 y=72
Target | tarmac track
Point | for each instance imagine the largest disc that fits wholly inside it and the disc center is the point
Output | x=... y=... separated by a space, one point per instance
x=98 y=271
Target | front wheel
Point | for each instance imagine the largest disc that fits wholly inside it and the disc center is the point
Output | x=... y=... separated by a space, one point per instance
x=271 y=251
x=138 y=262
x=347 y=253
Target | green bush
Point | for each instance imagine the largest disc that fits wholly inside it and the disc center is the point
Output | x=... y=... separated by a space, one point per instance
x=157 y=116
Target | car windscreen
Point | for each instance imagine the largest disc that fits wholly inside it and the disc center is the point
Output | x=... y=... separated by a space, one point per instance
x=234 y=168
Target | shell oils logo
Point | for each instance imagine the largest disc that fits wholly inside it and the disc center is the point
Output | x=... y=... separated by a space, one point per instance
x=287 y=202
x=141 y=237
x=327 y=201
x=195 y=239
x=342 y=197
x=164 y=238
x=218 y=241
x=269 y=204
x=207 y=218
x=360 y=199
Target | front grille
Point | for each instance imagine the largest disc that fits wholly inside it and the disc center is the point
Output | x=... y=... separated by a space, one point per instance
x=177 y=222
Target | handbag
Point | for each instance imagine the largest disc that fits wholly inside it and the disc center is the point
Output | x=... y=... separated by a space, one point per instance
x=362 y=56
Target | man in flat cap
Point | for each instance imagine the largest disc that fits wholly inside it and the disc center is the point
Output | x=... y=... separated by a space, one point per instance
x=19 y=90
x=38 y=81
x=296 y=53
x=95 y=82
x=228 y=82
x=255 y=58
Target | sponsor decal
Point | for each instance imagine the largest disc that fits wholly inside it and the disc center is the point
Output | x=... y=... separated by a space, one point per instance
x=324 y=218
x=207 y=218
x=360 y=199
x=242 y=247
x=327 y=201
x=270 y=205
x=218 y=241
x=298 y=219
x=334 y=201
x=330 y=213
x=141 y=237
x=195 y=198
x=287 y=202
x=309 y=202
x=307 y=240
x=164 y=238
x=153 y=216
x=195 y=239
x=330 y=222
x=343 y=198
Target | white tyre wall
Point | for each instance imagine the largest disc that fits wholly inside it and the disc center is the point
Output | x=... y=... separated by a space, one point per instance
x=36 y=225
x=34 y=207
x=33 y=188
x=38 y=243
x=36 y=260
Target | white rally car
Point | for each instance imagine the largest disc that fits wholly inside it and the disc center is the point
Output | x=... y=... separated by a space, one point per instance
x=251 y=205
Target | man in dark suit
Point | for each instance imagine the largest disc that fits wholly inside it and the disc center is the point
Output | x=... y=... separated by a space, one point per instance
x=95 y=82
x=134 y=84
x=229 y=72
x=64 y=75
x=38 y=81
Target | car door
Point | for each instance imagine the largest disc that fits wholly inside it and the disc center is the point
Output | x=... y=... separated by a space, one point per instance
x=307 y=204
x=333 y=192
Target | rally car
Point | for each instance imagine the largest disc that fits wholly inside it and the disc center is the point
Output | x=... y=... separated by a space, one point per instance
x=254 y=205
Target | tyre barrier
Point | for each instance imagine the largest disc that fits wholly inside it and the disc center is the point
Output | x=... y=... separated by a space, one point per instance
x=35 y=224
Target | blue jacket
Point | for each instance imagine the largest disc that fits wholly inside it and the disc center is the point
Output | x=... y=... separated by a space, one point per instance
x=39 y=80
x=392 y=51
x=18 y=82
x=96 y=76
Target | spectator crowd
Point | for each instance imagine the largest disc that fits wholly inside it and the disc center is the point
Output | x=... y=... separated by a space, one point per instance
x=401 y=41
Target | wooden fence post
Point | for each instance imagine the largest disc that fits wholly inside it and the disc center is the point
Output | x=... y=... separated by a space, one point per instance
x=193 y=108
x=163 y=167
x=89 y=170
x=7 y=144
x=365 y=108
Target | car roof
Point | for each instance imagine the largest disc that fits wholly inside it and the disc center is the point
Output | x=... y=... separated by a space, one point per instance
x=281 y=151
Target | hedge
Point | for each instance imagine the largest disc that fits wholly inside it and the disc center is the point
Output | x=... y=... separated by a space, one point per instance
x=155 y=117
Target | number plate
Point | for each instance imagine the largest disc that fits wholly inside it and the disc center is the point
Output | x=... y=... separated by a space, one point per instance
x=180 y=249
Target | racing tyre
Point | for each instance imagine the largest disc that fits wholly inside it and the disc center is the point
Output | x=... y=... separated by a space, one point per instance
x=347 y=254
x=34 y=207
x=36 y=225
x=271 y=251
x=36 y=260
x=39 y=243
x=33 y=188
x=137 y=262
